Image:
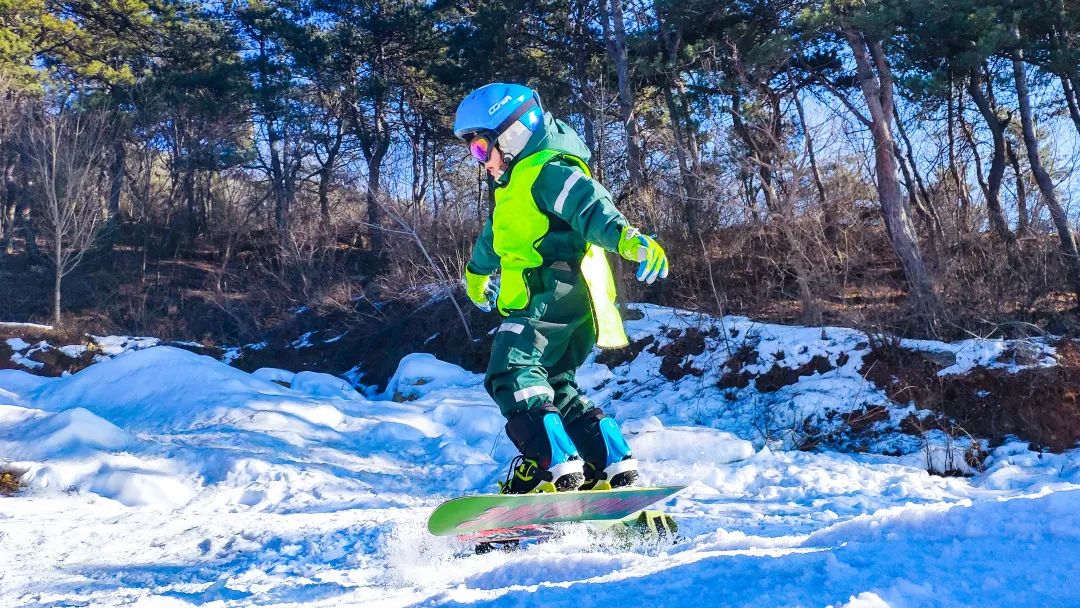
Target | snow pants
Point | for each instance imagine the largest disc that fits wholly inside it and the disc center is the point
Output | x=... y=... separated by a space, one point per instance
x=537 y=350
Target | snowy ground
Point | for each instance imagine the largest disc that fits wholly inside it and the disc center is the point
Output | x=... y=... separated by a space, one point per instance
x=163 y=478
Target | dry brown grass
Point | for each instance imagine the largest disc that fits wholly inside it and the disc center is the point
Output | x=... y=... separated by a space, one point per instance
x=10 y=482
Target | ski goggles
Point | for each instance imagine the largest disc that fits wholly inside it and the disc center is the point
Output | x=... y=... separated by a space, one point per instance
x=481 y=145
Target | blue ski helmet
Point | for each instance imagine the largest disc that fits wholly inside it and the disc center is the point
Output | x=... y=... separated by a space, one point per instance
x=496 y=107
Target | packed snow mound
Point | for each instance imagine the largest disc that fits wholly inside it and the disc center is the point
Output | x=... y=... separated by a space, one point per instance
x=167 y=388
x=14 y=384
x=273 y=374
x=313 y=384
x=129 y=480
x=421 y=373
x=160 y=425
x=689 y=444
x=75 y=450
x=316 y=384
x=66 y=433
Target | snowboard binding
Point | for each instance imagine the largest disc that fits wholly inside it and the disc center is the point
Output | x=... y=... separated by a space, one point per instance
x=549 y=462
x=608 y=461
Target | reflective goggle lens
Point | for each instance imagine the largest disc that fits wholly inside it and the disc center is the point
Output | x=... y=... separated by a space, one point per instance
x=479 y=147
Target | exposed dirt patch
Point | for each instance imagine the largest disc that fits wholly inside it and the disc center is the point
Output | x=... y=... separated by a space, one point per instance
x=853 y=430
x=1039 y=405
x=674 y=364
x=734 y=376
x=617 y=356
x=778 y=377
x=55 y=362
x=5 y=356
x=903 y=374
x=377 y=340
x=739 y=379
x=861 y=420
x=199 y=349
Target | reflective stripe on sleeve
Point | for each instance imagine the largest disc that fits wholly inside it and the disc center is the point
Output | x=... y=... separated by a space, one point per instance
x=516 y=328
x=567 y=185
x=532 y=391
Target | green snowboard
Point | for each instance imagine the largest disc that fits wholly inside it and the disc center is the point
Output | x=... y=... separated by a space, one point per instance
x=491 y=512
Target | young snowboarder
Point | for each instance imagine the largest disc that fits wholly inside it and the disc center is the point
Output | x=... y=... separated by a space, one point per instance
x=547 y=236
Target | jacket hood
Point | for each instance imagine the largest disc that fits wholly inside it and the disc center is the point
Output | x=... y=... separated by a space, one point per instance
x=553 y=135
x=556 y=135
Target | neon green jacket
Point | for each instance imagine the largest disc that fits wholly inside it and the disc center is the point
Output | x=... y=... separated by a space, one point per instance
x=571 y=211
x=586 y=215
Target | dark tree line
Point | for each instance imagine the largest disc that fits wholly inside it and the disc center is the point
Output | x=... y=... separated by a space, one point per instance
x=316 y=133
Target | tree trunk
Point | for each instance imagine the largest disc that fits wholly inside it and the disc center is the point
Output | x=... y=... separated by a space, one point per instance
x=584 y=97
x=1069 y=75
x=675 y=111
x=754 y=156
x=997 y=162
x=326 y=174
x=878 y=92
x=1042 y=178
x=689 y=182
x=379 y=145
x=768 y=151
x=276 y=131
x=58 y=275
x=924 y=203
x=746 y=181
x=116 y=186
x=615 y=34
x=1070 y=99
x=191 y=204
x=7 y=221
x=963 y=213
x=23 y=207
x=599 y=156
x=1022 y=224
x=810 y=310
x=206 y=198
x=277 y=185
x=828 y=210
x=913 y=194
x=374 y=212
x=976 y=156
x=324 y=193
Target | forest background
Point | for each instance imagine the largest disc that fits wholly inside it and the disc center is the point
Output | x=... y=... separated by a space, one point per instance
x=203 y=170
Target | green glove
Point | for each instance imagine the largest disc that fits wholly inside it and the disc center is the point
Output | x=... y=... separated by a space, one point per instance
x=478 y=288
x=638 y=247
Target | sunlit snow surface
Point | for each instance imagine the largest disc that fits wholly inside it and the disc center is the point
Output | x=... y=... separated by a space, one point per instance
x=164 y=478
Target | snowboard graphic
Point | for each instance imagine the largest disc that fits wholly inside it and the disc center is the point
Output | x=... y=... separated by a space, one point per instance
x=490 y=512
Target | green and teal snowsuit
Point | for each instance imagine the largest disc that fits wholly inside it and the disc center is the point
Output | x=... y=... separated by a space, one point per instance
x=547 y=235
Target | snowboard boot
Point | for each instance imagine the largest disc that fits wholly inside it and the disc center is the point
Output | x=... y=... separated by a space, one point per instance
x=548 y=461
x=608 y=461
